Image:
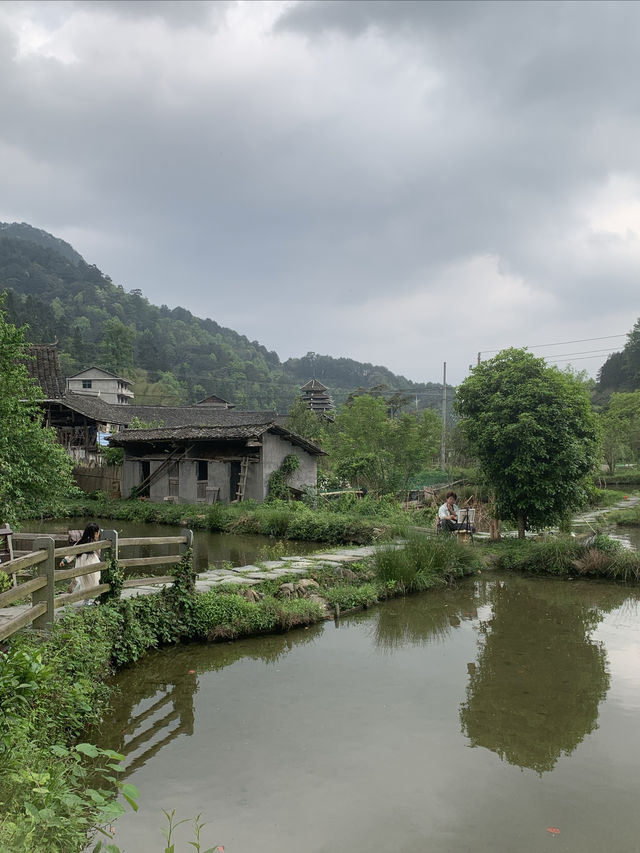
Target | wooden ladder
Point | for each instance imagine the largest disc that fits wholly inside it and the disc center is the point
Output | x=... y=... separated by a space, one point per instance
x=242 y=482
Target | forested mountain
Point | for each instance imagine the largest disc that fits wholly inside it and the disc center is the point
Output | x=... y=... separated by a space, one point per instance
x=171 y=355
x=621 y=371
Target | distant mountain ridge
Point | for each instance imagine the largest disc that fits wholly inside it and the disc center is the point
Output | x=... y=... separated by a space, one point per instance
x=172 y=356
x=23 y=231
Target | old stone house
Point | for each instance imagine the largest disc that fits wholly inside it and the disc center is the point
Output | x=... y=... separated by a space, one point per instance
x=214 y=454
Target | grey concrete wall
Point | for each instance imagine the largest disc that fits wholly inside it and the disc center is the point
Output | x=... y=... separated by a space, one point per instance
x=219 y=476
x=274 y=449
x=130 y=475
x=188 y=473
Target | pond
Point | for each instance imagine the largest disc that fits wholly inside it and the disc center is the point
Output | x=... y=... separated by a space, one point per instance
x=497 y=716
x=209 y=548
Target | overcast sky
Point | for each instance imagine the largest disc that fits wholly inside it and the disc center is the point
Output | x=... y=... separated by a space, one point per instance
x=398 y=182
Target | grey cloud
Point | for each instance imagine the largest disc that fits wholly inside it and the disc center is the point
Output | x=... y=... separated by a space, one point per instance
x=460 y=130
x=177 y=13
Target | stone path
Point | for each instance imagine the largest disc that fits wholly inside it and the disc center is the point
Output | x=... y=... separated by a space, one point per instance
x=242 y=576
x=274 y=569
x=593 y=516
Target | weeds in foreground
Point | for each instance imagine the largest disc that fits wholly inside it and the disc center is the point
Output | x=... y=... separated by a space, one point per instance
x=173 y=824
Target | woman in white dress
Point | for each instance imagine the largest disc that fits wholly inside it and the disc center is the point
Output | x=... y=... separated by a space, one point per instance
x=91 y=534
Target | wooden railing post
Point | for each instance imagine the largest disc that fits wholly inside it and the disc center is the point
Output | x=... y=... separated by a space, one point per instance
x=46 y=594
x=188 y=534
x=112 y=536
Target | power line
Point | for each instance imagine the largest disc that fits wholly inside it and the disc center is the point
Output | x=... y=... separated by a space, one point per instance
x=582 y=352
x=580 y=358
x=562 y=343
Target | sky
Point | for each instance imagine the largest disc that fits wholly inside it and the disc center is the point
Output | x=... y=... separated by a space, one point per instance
x=403 y=183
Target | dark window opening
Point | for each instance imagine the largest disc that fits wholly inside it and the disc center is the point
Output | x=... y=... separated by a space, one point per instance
x=234 y=480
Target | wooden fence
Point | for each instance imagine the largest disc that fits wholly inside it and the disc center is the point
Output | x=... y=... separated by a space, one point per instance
x=36 y=575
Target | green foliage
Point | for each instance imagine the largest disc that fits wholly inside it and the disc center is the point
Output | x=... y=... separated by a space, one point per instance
x=627 y=517
x=5 y=581
x=598 y=556
x=372 y=451
x=349 y=596
x=280 y=519
x=219 y=615
x=143 y=623
x=307 y=423
x=116 y=348
x=535 y=436
x=34 y=469
x=51 y=688
x=424 y=562
x=278 y=481
x=621 y=371
x=114 y=576
x=112 y=455
x=621 y=429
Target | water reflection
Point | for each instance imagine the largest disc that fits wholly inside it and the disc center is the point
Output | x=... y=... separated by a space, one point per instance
x=155 y=700
x=429 y=618
x=534 y=690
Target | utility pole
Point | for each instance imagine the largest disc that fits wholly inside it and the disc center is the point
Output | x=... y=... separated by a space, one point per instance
x=443 y=444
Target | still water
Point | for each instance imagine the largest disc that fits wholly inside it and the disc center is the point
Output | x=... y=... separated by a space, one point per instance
x=471 y=719
x=209 y=548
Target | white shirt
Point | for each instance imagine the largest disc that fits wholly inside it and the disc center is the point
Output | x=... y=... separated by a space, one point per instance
x=445 y=512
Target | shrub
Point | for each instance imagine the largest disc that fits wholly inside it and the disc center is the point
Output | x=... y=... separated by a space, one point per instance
x=425 y=562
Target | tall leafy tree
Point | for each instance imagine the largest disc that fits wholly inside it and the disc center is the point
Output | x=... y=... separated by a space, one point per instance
x=534 y=433
x=35 y=471
x=116 y=348
x=371 y=450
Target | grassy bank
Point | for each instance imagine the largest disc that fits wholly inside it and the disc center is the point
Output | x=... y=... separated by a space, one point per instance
x=346 y=521
x=628 y=517
x=597 y=557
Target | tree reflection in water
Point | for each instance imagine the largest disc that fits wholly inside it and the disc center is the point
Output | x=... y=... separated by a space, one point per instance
x=534 y=691
x=426 y=618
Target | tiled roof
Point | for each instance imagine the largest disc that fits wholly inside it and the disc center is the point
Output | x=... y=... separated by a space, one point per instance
x=237 y=432
x=314 y=385
x=44 y=367
x=188 y=416
x=91 y=407
x=188 y=433
x=102 y=370
x=186 y=423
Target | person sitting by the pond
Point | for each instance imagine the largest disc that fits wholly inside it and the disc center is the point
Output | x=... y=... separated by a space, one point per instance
x=448 y=514
x=91 y=533
x=450 y=518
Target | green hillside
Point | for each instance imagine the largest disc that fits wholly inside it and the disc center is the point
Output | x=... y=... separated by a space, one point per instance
x=171 y=355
